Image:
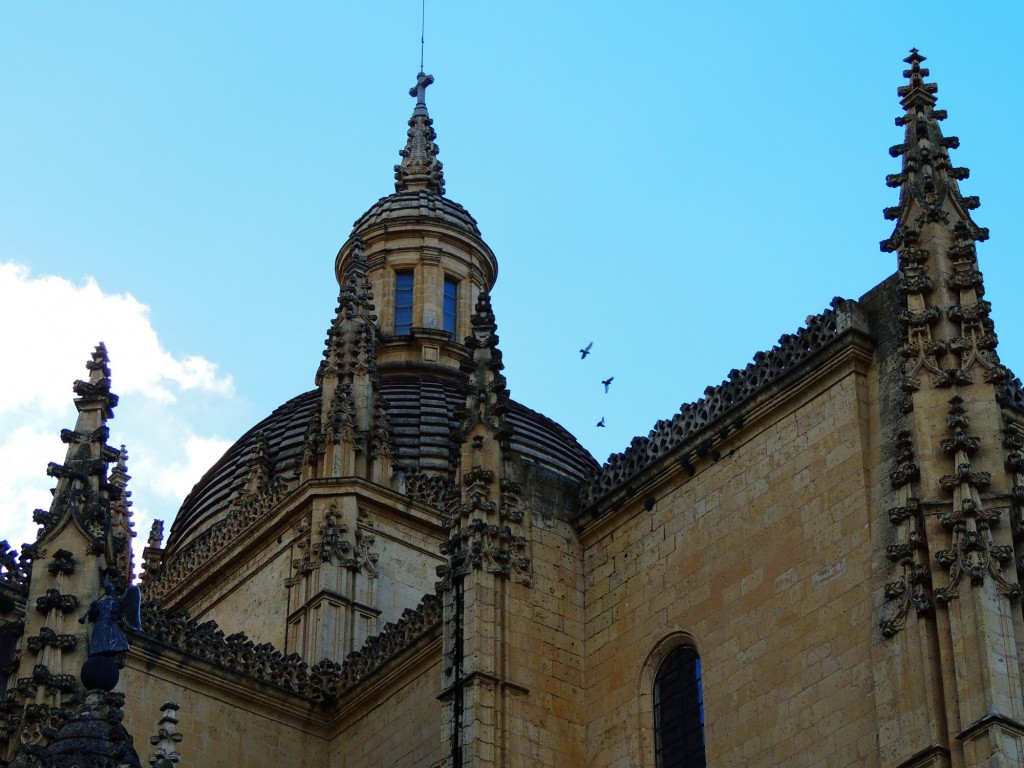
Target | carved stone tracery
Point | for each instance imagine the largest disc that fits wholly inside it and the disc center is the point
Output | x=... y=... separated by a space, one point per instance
x=973 y=553
x=323 y=681
x=245 y=511
x=485 y=526
x=911 y=589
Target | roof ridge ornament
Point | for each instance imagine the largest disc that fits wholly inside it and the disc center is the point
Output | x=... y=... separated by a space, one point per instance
x=420 y=169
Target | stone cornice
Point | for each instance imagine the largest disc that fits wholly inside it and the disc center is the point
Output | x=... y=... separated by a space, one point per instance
x=199 y=568
x=225 y=666
x=422 y=656
x=164 y=661
x=848 y=352
x=799 y=360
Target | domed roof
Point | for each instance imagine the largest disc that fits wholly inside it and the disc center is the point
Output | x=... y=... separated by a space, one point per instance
x=421 y=410
x=413 y=207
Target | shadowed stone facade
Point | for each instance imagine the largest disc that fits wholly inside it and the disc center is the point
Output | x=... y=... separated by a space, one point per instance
x=406 y=567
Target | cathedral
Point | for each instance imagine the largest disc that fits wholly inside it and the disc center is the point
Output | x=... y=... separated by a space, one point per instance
x=818 y=563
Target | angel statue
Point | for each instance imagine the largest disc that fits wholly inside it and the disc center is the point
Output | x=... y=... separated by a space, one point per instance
x=106 y=615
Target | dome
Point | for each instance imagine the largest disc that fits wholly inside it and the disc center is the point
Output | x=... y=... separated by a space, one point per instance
x=415 y=207
x=421 y=410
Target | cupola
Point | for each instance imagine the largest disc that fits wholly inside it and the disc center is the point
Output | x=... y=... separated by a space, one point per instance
x=425 y=259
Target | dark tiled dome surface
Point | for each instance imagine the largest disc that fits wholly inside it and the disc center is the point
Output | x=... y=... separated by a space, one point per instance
x=415 y=206
x=420 y=409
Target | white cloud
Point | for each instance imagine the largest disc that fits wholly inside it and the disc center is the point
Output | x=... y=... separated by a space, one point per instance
x=174 y=479
x=54 y=325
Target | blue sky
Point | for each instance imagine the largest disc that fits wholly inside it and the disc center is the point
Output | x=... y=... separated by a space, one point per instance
x=679 y=185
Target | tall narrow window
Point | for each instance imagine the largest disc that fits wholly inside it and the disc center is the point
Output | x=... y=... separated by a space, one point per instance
x=403 y=303
x=451 y=303
x=679 y=711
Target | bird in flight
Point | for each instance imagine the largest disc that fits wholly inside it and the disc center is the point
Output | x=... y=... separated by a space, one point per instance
x=607 y=382
x=601 y=422
x=585 y=351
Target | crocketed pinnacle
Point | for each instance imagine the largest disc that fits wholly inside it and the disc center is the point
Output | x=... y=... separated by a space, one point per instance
x=83 y=489
x=928 y=180
x=420 y=168
x=950 y=338
x=351 y=339
x=487 y=396
x=92 y=736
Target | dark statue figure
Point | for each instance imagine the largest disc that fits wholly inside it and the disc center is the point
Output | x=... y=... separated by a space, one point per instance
x=106 y=615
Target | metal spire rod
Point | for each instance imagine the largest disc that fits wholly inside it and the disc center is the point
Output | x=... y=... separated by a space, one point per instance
x=423 y=26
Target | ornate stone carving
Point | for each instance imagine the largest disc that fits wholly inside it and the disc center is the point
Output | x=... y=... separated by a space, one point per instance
x=420 y=168
x=90 y=735
x=1013 y=440
x=932 y=210
x=63 y=562
x=323 y=681
x=333 y=547
x=15 y=572
x=46 y=637
x=165 y=743
x=43 y=678
x=486 y=524
x=1010 y=393
x=30 y=723
x=741 y=386
x=351 y=410
x=340 y=423
x=433 y=490
x=305 y=564
x=910 y=589
x=152 y=555
x=121 y=525
x=243 y=513
x=53 y=600
x=84 y=493
x=973 y=552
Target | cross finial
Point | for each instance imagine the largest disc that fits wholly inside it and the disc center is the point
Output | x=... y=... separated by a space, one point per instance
x=420 y=168
x=419 y=91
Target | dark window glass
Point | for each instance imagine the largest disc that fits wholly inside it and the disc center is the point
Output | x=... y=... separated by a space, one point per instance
x=403 y=303
x=679 y=711
x=451 y=298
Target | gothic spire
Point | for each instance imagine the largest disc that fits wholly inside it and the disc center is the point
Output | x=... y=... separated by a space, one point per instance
x=420 y=168
x=487 y=397
x=928 y=180
x=84 y=490
x=352 y=411
x=949 y=334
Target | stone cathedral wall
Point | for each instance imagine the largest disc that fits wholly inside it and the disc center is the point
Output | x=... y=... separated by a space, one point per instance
x=224 y=718
x=762 y=560
x=546 y=651
x=395 y=721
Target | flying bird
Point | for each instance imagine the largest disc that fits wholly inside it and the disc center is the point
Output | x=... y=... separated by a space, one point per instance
x=607 y=382
x=601 y=422
x=585 y=351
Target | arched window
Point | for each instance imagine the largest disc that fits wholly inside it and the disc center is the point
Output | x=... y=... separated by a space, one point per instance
x=679 y=711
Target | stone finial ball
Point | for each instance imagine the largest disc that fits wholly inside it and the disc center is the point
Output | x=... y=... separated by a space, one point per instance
x=100 y=672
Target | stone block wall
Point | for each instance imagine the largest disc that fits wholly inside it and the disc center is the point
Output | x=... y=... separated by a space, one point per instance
x=397 y=721
x=222 y=721
x=762 y=561
x=545 y=644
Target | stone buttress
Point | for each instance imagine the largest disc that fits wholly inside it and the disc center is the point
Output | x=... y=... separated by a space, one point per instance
x=332 y=587
x=488 y=558
x=951 y=625
x=84 y=538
